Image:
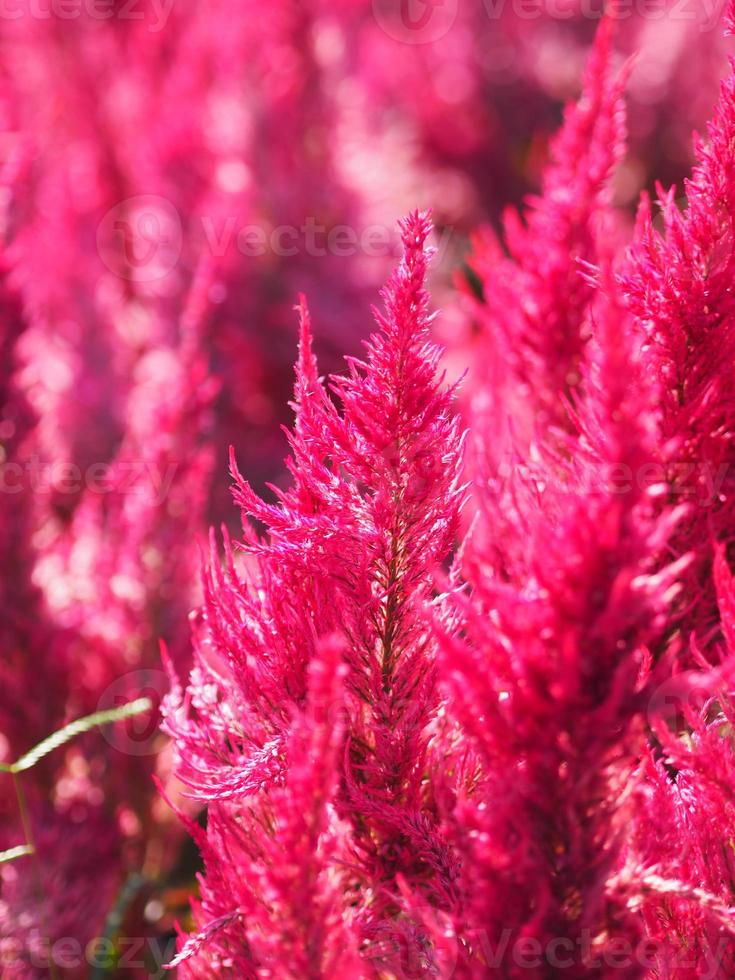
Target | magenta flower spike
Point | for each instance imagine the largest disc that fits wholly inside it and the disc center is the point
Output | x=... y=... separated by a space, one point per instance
x=678 y=284
x=351 y=550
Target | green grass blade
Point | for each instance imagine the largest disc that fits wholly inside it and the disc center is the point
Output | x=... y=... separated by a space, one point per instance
x=74 y=728
x=15 y=852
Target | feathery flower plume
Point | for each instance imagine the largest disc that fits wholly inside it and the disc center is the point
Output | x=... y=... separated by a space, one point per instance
x=533 y=310
x=549 y=684
x=685 y=825
x=678 y=284
x=351 y=550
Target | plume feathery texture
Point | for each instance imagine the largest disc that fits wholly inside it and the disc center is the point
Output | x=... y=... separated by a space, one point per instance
x=678 y=284
x=351 y=550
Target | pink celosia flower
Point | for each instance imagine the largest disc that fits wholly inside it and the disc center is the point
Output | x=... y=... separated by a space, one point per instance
x=375 y=807
x=532 y=314
x=678 y=286
x=275 y=902
x=351 y=550
x=550 y=683
x=685 y=824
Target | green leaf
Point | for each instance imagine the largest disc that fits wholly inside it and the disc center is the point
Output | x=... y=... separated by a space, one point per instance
x=15 y=852
x=74 y=728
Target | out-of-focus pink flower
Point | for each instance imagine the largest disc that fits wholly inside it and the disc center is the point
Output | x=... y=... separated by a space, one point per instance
x=532 y=312
x=49 y=909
